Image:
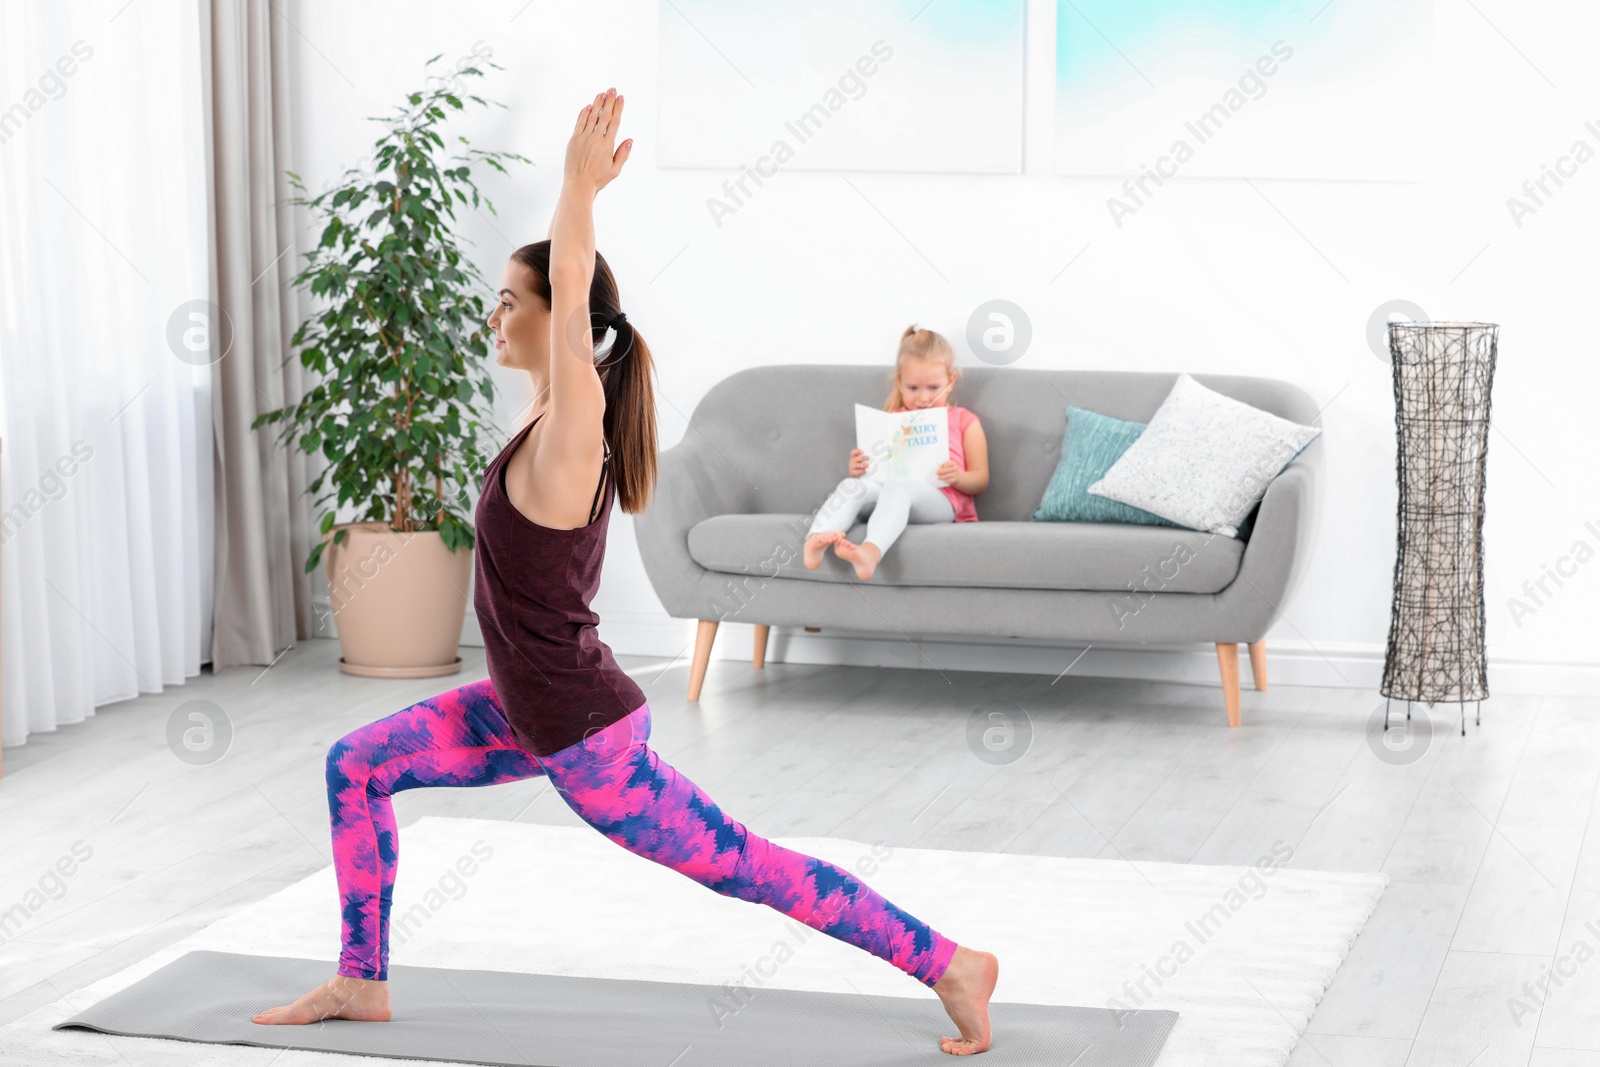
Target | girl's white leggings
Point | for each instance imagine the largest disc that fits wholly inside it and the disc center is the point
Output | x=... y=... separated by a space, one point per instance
x=892 y=505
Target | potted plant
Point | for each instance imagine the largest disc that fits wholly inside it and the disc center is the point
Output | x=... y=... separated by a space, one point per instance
x=399 y=348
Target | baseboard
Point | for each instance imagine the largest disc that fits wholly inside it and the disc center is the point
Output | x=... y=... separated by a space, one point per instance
x=1288 y=662
x=640 y=633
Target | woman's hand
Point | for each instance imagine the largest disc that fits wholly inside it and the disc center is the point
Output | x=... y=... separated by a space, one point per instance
x=592 y=161
x=948 y=472
x=858 y=463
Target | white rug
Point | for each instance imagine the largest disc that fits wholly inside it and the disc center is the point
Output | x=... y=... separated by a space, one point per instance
x=565 y=900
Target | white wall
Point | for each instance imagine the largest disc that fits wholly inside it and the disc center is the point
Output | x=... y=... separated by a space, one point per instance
x=1274 y=278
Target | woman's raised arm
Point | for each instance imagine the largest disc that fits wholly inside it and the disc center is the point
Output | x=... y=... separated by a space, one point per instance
x=573 y=434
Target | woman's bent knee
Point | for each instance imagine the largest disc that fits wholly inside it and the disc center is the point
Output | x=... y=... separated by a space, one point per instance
x=349 y=758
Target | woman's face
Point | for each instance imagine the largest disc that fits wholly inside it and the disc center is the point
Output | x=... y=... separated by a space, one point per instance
x=924 y=383
x=520 y=321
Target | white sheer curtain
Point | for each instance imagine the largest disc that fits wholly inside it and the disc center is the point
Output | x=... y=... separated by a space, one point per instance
x=106 y=466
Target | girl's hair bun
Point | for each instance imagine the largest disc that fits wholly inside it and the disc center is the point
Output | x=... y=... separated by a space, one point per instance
x=925 y=344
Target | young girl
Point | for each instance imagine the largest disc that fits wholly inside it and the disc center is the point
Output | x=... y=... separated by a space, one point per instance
x=925 y=373
x=556 y=703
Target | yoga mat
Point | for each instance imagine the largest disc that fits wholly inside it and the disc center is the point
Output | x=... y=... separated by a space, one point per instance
x=1258 y=951
x=509 y=1018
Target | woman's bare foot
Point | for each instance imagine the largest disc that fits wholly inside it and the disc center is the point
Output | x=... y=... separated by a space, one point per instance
x=362 y=1000
x=864 y=557
x=816 y=545
x=965 y=988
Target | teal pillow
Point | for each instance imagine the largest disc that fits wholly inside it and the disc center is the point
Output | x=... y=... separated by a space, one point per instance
x=1091 y=444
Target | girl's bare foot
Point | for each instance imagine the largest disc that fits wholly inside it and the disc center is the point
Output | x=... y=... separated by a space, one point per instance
x=360 y=999
x=965 y=988
x=864 y=557
x=816 y=545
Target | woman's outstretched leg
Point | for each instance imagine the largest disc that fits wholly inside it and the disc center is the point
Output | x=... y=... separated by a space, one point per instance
x=458 y=738
x=616 y=783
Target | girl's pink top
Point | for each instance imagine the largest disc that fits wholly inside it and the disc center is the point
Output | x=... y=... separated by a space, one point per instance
x=960 y=419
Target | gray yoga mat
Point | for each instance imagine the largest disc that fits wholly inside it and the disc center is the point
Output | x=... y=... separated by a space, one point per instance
x=507 y=1018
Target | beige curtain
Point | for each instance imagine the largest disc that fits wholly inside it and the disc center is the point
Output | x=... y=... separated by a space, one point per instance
x=263 y=535
x=105 y=522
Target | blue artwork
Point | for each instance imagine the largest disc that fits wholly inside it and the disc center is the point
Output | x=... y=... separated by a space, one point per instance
x=1161 y=89
x=883 y=85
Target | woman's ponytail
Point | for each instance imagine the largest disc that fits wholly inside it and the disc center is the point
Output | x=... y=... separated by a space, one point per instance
x=630 y=418
x=625 y=369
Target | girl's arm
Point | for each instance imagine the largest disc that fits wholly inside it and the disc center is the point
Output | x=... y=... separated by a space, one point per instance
x=975 y=479
x=572 y=439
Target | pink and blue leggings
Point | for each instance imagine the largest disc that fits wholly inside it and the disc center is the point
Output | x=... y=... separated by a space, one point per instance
x=617 y=784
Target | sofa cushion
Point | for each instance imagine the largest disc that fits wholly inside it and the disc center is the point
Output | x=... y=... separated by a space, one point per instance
x=1004 y=555
x=1090 y=445
x=1205 y=460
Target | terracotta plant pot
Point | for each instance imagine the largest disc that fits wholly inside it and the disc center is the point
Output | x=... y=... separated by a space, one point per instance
x=398 y=600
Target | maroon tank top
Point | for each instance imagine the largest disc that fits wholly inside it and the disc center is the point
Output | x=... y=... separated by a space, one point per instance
x=555 y=678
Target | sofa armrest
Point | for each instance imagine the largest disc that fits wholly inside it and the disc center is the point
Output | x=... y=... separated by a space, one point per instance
x=1278 y=552
x=694 y=481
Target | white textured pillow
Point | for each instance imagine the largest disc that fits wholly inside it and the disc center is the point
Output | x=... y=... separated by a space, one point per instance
x=1204 y=460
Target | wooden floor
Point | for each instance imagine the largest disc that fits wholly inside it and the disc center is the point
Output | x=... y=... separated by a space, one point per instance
x=1489 y=839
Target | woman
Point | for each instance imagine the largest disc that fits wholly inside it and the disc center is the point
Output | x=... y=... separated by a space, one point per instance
x=555 y=702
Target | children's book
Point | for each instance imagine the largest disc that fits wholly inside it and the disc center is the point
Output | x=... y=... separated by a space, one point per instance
x=903 y=444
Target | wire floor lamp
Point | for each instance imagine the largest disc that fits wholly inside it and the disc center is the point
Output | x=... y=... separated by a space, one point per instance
x=1443 y=375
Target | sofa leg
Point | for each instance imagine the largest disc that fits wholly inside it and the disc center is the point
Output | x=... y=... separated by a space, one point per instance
x=761 y=645
x=1258 y=663
x=1228 y=660
x=703 y=636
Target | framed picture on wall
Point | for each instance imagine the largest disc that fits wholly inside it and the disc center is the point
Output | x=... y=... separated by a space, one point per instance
x=1241 y=88
x=875 y=85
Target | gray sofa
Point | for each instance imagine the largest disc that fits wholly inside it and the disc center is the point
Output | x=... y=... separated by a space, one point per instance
x=722 y=536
